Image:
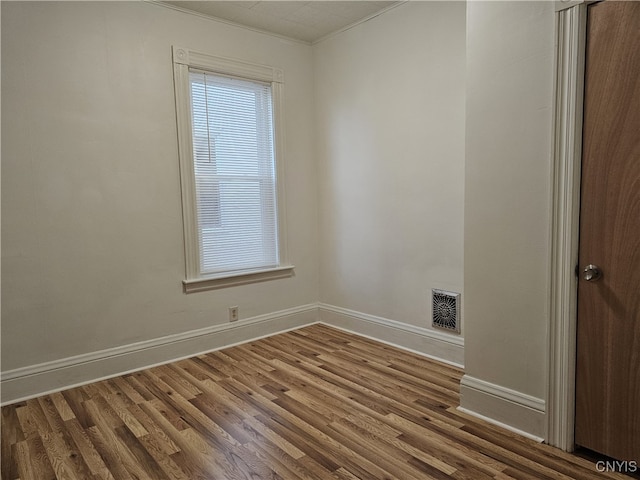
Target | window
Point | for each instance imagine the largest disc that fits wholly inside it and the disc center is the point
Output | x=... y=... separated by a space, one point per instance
x=230 y=163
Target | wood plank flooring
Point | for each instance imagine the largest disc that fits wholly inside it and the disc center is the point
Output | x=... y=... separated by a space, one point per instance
x=315 y=403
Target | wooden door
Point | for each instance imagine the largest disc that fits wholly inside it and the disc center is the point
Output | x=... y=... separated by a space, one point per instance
x=608 y=344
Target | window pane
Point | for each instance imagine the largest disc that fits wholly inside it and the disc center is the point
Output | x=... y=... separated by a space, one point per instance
x=235 y=173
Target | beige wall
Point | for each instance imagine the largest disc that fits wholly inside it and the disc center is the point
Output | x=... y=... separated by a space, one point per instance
x=389 y=174
x=92 y=249
x=510 y=52
x=390 y=136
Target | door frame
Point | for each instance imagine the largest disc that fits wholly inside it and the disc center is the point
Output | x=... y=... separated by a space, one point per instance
x=571 y=39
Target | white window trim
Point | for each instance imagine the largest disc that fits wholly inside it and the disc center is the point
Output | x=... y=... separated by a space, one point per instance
x=183 y=60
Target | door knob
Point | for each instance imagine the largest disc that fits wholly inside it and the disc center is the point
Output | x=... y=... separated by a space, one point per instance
x=591 y=273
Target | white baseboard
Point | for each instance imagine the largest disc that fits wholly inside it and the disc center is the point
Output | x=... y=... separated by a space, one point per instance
x=516 y=411
x=35 y=380
x=439 y=346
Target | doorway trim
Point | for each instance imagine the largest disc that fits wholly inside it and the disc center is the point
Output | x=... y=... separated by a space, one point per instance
x=571 y=38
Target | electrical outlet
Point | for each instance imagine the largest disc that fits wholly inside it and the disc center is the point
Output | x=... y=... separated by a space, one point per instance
x=233 y=314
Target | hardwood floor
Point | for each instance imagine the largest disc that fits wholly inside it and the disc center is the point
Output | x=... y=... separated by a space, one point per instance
x=315 y=403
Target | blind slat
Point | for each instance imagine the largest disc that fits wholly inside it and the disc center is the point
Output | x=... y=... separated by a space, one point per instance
x=234 y=169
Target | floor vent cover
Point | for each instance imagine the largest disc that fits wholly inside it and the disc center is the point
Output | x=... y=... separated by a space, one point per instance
x=446 y=310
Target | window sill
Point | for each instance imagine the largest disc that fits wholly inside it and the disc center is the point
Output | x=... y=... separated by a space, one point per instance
x=236 y=279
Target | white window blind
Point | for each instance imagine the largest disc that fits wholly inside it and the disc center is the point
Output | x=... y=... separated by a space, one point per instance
x=235 y=175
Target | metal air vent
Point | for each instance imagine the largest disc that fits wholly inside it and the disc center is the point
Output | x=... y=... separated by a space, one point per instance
x=446 y=310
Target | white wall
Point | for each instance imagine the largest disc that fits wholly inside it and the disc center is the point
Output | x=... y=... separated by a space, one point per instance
x=91 y=227
x=510 y=62
x=92 y=248
x=390 y=136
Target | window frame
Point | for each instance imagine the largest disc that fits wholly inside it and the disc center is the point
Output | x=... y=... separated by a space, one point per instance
x=183 y=60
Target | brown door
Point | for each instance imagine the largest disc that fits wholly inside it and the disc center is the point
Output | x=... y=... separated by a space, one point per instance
x=608 y=344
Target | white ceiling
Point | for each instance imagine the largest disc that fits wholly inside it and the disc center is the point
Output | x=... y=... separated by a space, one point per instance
x=306 y=21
